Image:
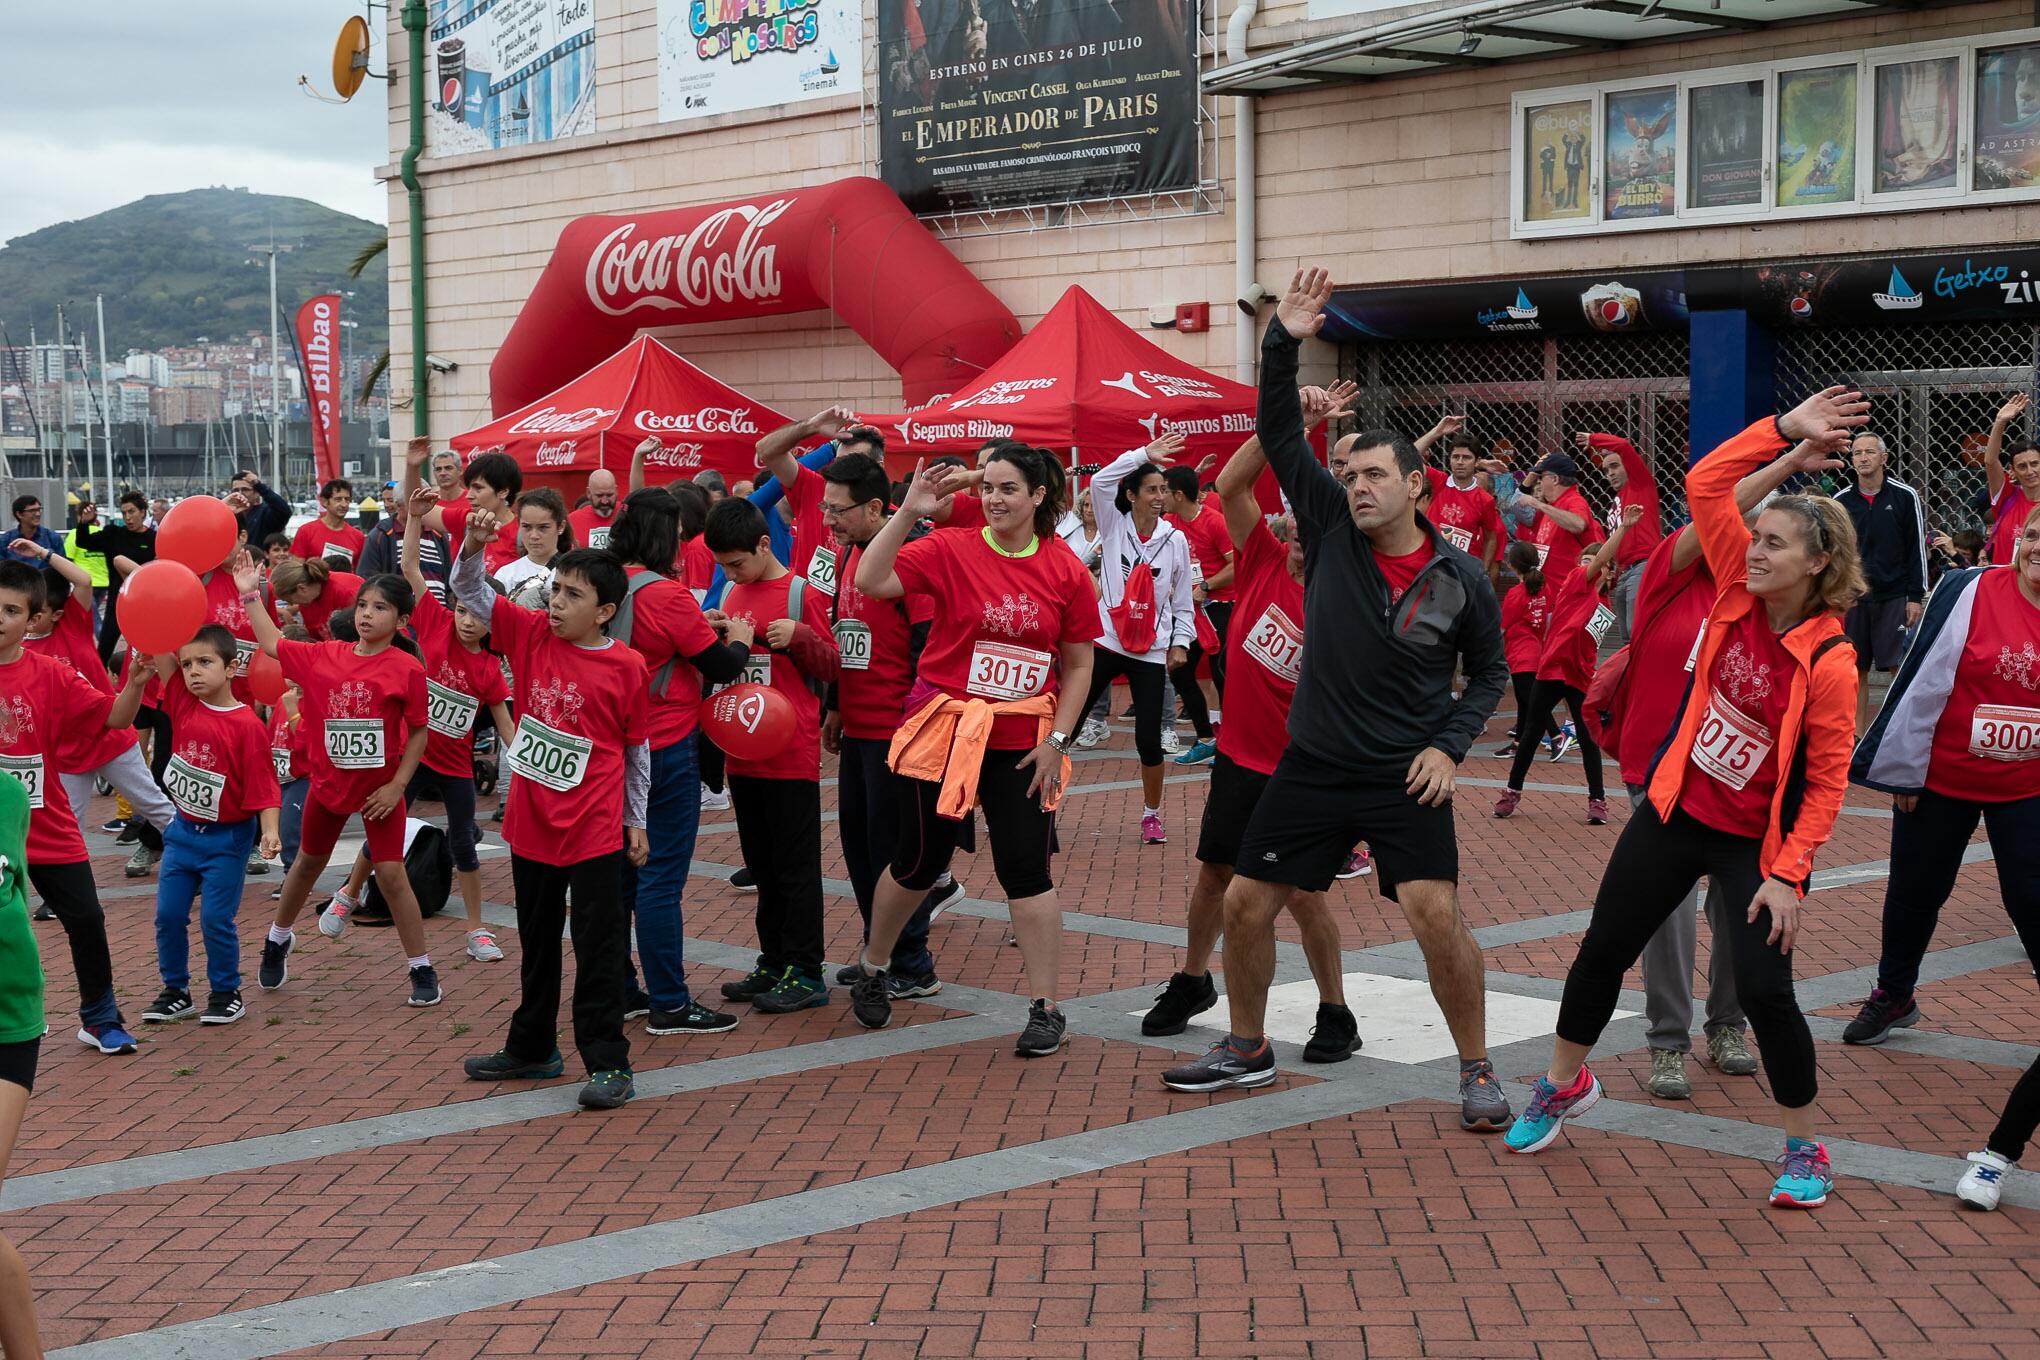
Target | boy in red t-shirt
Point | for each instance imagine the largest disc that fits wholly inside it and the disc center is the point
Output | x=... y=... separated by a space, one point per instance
x=224 y=784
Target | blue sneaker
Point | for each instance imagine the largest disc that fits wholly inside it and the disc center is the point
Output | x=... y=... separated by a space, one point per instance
x=1204 y=750
x=1537 y=1127
x=107 y=1038
x=1804 y=1176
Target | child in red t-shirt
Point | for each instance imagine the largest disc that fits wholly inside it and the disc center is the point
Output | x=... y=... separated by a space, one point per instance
x=223 y=782
x=287 y=754
x=1526 y=617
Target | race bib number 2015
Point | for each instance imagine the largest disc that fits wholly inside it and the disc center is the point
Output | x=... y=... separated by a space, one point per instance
x=449 y=712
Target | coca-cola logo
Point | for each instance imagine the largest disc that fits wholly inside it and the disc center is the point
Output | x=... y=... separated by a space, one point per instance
x=554 y=455
x=545 y=420
x=675 y=456
x=708 y=420
x=722 y=258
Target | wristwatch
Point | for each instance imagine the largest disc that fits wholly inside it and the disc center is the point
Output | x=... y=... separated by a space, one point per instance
x=1060 y=742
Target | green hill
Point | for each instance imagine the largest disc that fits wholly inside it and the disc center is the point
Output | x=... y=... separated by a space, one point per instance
x=174 y=267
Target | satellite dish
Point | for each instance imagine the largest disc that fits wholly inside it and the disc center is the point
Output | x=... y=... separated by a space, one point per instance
x=350 y=57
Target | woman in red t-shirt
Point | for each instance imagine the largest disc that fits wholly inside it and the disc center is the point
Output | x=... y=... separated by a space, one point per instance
x=316 y=589
x=1014 y=618
x=1526 y=618
x=1958 y=741
x=1748 y=786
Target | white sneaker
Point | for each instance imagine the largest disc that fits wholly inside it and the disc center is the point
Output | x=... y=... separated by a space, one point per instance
x=1092 y=734
x=711 y=801
x=333 y=921
x=1984 y=1182
x=1172 y=745
x=481 y=946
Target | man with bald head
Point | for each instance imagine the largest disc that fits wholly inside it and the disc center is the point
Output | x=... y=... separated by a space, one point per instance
x=1891 y=537
x=591 y=522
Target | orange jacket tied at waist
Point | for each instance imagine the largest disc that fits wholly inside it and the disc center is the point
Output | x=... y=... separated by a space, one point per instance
x=944 y=743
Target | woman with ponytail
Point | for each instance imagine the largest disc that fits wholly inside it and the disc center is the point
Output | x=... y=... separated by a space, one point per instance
x=1526 y=614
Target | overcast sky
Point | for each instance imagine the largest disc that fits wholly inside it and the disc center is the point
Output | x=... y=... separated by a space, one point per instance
x=102 y=104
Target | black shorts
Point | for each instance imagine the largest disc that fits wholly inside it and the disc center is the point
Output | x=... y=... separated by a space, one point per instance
x=17 y=1063
x=1228 y=805
x=1877 y=630
x=1312 y=814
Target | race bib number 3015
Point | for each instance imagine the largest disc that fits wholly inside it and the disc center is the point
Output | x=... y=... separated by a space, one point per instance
x=1002 y=671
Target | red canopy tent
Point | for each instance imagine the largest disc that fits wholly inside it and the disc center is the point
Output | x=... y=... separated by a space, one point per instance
x=596 y=421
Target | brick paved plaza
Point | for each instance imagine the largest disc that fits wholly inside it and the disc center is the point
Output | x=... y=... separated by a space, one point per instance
x=320 y=1180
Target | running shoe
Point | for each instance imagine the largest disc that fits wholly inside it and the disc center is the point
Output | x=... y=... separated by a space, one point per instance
x=907 y=986
x=1505 y=806
x=1359 y=864
x=482 y=946
x=500 y=1066
x=172 y=1003
x=333 y=920
x=1224 y=1066
x=692 y=1018
x=1725 y=1049
x=1151 y=832
x=1537 y=1128
x=757 y=982
x=1334 y=1038
x=1881 y=1014
x=1204 y=749
x=1984 y=1182
x=1804 y=1176
x=637 y=1004
x=1507 y=752
x=1047 y=1031
x=743 y=880
x=1562 y=744
x=222 y=1008
x=1597 y=812
x=274 y=970
x=1171 y=743
x=140 y=862
x=1175 y=1005
x=115 y=826
x=713 y=801
x=1092 y=733
x=256 y=864
x=45 y=912
x=424 y=985
x=107 y=1038
x=607 y=1091
x=130 y=833
x=1667 y=1079
x=1483 y=1108
x=792 y=992
x=947 y=895
x=871 y=1002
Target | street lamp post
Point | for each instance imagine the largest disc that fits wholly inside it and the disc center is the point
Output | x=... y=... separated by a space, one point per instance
x=347 y=359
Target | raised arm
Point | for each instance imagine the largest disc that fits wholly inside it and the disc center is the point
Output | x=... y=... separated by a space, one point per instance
x=775 y=450
x=875 y=574
x=1994 y=451
x=1446 y=425
x=407 y=560
x=30 y=550
x=1313 y=493
x=1803 y=458
x=470 y=580
x=646 y=447
x=1605 y=552
x=1235 y=485
x=416 y=454
x=1826 y=419
x=248 y=582
x=1105 y=482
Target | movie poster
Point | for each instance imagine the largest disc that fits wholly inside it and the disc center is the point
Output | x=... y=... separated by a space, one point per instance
x=508 y=73
x=987 y=104
x=1641 y=142
x=1917 y=111
x=1725 y=145
x=2008 y=118
x=725 y=56
x=1557 y=151
x=1816 y=136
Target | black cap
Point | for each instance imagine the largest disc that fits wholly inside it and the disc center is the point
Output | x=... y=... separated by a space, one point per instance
x=1560 y=463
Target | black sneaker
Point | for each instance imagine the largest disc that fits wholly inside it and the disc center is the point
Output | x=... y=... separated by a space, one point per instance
x=848 y=974
x=607 y=1091
x=869 y=1001
x=692 y=1018
x=946 y=896
x=424 y=985
x=636 y=1004
x=1335 y=1037
x=743 y=880
x=45 y=912
x=755 y=983
x=906 y=986
x=170 y=1004
x=1222 y=1067
x=222 y=1008
x=1047 y=1031
x=129 y=832
x=1184 y=997
x=793 y=992
x=500 y=1066
x=114 y=827
x=1880 y=1015
x=275 y=969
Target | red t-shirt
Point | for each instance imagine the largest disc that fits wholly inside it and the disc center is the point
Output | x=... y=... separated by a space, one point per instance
x=1402 y=571
x=1263 y=654
x=1637 y=489
x=1664 y=642
x=42 y=698
x=965 y=512
x=1558 y=550
x=1000 y=621
x=460 y=686
x=79 y=749
x=1732 y=770
x=1580 y=618
x=1210 y=544
x=358 y=710
x=578 y=709
x=1467 y=519
x=223 y=600
x=341 y=547
x=2007 y=521
x=287 y=746
x=498 y=553
x=1987 y=744
x=666 y=625
x=220 y=768
x=590 y=529
x=873 y=638
x=758 y=603
x=810 y=532
x=694 y=567
x=1526 y=619
x=337 y=594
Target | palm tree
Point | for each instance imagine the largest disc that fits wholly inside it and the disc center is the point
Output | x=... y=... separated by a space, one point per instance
x=362 y=260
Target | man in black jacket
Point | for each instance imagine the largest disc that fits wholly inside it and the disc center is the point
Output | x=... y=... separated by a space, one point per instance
x=261 y=510
x=1891 y=538
x=1391 y=611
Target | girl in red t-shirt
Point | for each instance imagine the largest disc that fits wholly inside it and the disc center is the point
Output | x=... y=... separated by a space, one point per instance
x=1526 y=618
x=316 y=589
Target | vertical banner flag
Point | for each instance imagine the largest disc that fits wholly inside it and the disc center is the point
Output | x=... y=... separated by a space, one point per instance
x=318 y=346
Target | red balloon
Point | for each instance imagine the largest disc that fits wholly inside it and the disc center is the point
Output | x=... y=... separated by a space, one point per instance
x=265 y=678
x=199 y=531
x=160 y=607
x=750 y=722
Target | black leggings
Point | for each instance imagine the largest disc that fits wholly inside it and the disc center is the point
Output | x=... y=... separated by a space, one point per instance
x=156 y=723
x=1544 y=697
x=68 y=890
x=1022 y=832
x=1145 y=679
x=1654 y=866
x=1190 y=694
x=1525 y=683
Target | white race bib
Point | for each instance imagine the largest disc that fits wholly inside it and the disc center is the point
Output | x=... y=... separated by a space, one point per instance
x=1543 y=551
x=1598 y=625
x=1730 y=746
x=1693 y=657
x=281 y=756
x=449 y=712
x=29 y=770
x=598 y=537
x=1459 y=538
x=196 y=792
x=853 y=644
x=1001 y=671
x=243 y=649
x=354 y=743
x=757 y=669
x=2003 y=732
x=338 y=555
x=1277 y=643
x=1196 y=571
x=549 y=756
x=821 y=571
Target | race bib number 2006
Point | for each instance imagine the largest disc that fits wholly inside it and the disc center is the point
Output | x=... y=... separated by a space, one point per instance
x=558 y=760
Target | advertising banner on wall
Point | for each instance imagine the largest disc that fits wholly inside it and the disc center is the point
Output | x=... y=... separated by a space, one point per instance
x=987 y=104
x=1642 y=152
x=724 y=56
x=2008 y=117
x=318 y=347
x=508 y=73
x=1816 y=136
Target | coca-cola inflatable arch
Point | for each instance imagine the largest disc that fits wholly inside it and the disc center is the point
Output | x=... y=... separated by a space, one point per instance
x=849 y=246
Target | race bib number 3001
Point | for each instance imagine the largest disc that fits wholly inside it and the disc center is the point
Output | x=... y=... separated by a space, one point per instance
x=1001 y=671
x=555 y=759
x=354 y=743
x=29 y=771
x=1277 y=643
x=1730 y=746
x=2002 y=732
x=196 y=792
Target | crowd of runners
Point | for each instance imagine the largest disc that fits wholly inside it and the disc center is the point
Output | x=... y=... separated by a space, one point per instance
x=945 y=642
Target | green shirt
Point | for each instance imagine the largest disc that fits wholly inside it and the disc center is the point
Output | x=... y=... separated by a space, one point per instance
x=93 y=562
x=21 y=975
